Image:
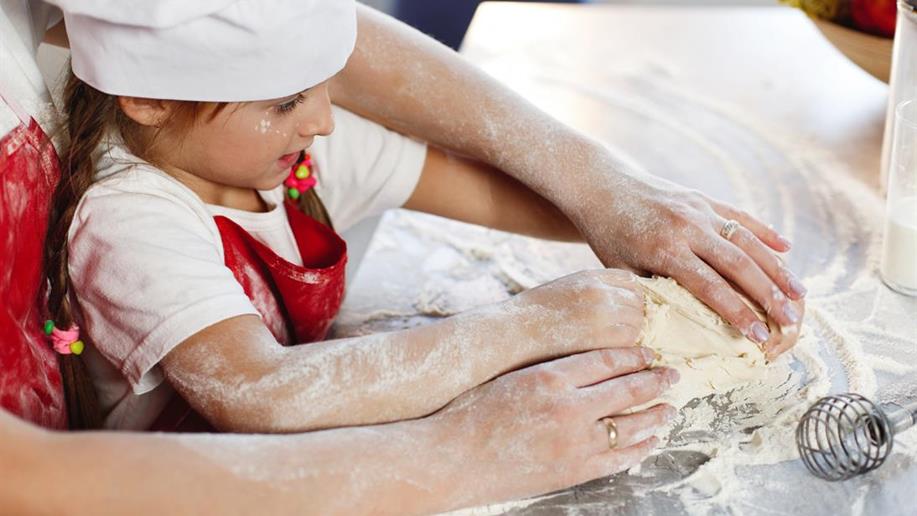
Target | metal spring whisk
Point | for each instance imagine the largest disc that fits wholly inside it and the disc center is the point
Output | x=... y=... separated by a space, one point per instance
x=846 y=435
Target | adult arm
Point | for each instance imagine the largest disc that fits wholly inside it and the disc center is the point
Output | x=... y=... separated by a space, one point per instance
x=471 y=191
x=468 y=190
x=468 y=454
x=407 y=81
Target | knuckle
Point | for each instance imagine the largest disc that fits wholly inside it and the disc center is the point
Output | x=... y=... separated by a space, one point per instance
x=678 y=212
x=635 y=389
x=783 y=275
x=743 y=237
x=735 y=313
x=727 y=257
x=662 y=414
x=741 y=261
x=630 y=333
x=609 y=358
x=634 y=290
x=561 y=412
x=672 y=257
x=621 y=275
x=698 y=201
x=595 y=294
x=528 y=379
x=747 y=318
x=547 y=379
x=709 y=290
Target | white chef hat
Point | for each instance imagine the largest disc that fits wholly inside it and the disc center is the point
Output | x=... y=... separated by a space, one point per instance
x=208 y=50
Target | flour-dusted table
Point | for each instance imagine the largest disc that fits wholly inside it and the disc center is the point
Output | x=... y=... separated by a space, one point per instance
x=750 y=105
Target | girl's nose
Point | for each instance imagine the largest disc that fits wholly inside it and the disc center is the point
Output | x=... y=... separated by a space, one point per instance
x=318 y=121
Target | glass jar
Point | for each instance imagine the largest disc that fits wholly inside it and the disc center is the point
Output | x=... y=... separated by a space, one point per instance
x=899 y=253
x=903 y=79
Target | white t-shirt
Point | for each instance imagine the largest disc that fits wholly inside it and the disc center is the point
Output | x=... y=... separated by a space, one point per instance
x=146 y=258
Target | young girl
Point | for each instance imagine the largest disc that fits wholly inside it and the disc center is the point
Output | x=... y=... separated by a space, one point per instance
x=178 y=250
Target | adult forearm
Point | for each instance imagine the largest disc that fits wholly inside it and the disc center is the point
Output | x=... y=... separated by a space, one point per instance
x=488 y=198
x=345 y=471
x=411 y=83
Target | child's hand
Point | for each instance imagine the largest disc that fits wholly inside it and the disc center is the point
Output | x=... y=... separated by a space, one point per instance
x=584 y=311
x=540 y=429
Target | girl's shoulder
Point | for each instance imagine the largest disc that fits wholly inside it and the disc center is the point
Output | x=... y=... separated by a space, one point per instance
x=128 y=191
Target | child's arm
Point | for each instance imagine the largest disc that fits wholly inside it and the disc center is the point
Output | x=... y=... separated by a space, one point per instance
x=470 y=191
x=237 y=376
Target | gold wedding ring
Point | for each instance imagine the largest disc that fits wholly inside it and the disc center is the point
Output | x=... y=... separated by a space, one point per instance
x=730 y=228
x=612 y=432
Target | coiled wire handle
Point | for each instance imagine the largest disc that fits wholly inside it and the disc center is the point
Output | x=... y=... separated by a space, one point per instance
x=846 y=435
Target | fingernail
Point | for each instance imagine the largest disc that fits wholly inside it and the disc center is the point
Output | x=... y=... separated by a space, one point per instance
x=784 y=242
x=759 y=333
x=797 y=287
x=672 y=376
x=791 y=313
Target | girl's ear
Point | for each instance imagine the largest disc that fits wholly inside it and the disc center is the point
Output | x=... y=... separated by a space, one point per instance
x=146 y=112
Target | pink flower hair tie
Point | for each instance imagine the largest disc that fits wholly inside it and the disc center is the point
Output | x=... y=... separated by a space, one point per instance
x=65 y=342
x=301 y=177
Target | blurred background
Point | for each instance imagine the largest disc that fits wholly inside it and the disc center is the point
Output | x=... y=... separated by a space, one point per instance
x=447 y=20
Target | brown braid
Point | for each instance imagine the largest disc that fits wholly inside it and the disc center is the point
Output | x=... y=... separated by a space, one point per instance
x=312 y=205
x=89 y=115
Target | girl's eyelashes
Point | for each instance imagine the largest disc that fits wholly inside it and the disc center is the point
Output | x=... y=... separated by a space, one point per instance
x=290 y=105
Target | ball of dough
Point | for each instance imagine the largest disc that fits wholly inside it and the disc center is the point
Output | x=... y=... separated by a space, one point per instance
x=711 y=355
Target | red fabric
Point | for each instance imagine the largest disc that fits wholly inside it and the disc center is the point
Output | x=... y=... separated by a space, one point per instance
x=297 y=303
x=307 y=298
x=30 y=383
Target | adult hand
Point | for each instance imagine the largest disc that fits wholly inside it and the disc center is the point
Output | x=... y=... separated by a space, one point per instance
x=529 y=432
x=539 y=429
x=653 y=226
x=787 y=337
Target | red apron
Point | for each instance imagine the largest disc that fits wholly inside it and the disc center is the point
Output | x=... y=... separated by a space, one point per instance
x=30 y=382
x=297 y=303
